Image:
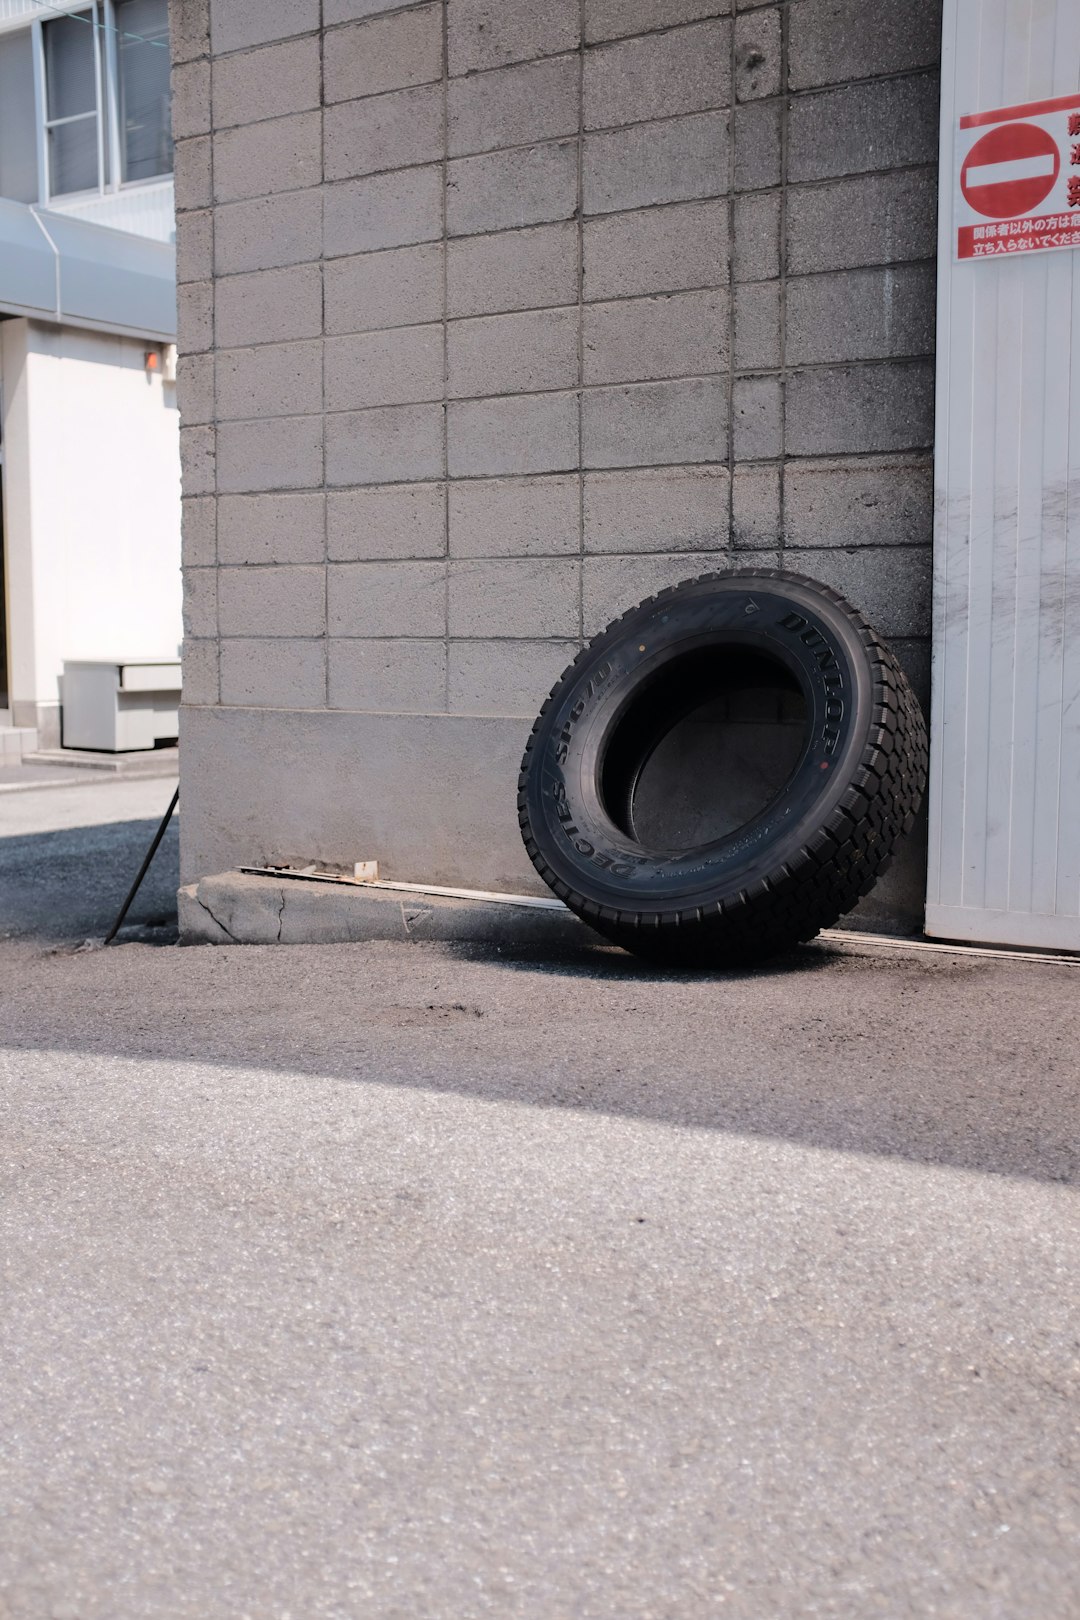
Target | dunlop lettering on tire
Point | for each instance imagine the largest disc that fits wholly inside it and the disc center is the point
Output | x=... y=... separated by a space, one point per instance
x=724 y=770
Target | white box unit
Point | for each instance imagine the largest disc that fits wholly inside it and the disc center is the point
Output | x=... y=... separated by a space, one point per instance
x=118 y=707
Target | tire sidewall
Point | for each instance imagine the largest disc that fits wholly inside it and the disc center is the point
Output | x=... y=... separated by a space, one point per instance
x=591 y=860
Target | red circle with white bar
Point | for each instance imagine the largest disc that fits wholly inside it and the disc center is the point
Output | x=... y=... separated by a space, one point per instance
x=1010 y=170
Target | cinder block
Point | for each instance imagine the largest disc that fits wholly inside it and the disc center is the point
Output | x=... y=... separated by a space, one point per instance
x=875 y=125
x=269 y=306
x=526 y=269
x=195 y=316
x=758 y=423
x=267 y=83
x=197 y=456
x=513 y=354
x=861 y=314
x=831 y=43
x=890 y=587
x=491 y=33
x=340 y=11
x=271 y=528
x=192 y=173
x=387 y=598
x=515 y=517
x=383 y=211
x=268 y=233
x=275 y=674
x=236 y=24
x=275 y=601
x=375 y=291
x=189 y=29
x=657 y=509
x=649 y=424
x=511 y=106
x=383 y=132
x=387 y=523
x=612 y=585
x=886 y=406
x=526 y=433
x=395 y=444
x=758 y=145
x=284 y=154
x=872 y=219
x=190 y=99
x=275 y=379
x=615 y=19
x=195 y=387
x=200 y=602
x=515 y=596
x=280 y=601
x=499 y=190
x=757 y=54
x=640 y=339
x=756 y=231
x=195 y=246
x=399 y=367
x=384 y=53
x=505 y=677
x=687 y=70
x=755 y=508
x=388 y=677
x=657 y=250
x=282 y=452
x=198 y=527
x=655 y=163
x=757 y=326
x=199 y=672
x=859 y=502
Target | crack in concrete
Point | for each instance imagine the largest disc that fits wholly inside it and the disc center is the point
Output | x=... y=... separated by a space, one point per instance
x=217 y=920
x=280 y=915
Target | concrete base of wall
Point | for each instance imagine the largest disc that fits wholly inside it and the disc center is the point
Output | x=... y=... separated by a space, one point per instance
x=432 y=798
x=242 y=909
x=44 y=718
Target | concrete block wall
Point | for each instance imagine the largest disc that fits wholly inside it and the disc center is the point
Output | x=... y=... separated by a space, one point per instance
x=495 y=316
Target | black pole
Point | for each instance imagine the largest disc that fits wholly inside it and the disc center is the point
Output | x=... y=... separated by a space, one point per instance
x=151 y=852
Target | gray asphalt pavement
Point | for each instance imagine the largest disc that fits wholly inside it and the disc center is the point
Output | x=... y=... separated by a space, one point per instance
x=387 y=1282
x=69 y=853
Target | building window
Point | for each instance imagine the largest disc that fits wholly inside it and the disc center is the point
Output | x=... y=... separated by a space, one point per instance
x=101 y=104
x=142 y=48
x=18 y=119
x=73 y=104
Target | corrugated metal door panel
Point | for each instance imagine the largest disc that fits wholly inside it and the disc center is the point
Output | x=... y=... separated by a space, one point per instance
x=1005 y=723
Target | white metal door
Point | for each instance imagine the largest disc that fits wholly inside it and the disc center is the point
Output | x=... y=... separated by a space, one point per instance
x=1005 y=722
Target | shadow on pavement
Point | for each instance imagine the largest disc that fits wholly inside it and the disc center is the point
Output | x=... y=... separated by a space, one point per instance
x=952 y=1060
x=67 y=886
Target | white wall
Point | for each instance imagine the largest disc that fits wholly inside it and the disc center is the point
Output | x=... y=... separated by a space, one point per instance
x=143 y=210
x=92 y=503
x=1004 y=802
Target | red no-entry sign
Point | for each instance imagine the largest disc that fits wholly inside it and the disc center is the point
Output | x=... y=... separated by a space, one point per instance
x=1018 y=179
x=1010 y=170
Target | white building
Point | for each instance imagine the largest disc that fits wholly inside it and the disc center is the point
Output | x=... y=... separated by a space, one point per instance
x=90 y=553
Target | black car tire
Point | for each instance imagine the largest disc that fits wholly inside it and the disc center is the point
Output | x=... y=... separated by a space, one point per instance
x=805 y=856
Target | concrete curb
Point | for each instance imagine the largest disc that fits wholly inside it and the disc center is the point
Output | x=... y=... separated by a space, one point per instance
x=244 y=908
x=144 y=762
x=238 y=908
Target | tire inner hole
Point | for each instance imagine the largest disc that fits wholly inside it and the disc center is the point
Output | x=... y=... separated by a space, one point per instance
x=703 y=748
